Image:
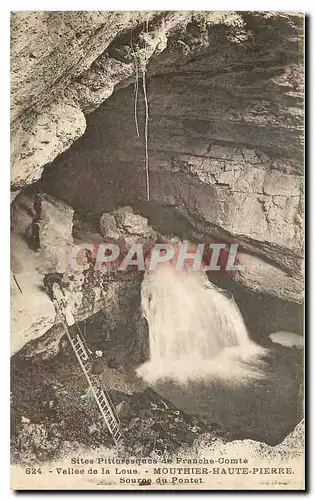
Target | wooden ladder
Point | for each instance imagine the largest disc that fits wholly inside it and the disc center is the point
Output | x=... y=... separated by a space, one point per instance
x=100 y=395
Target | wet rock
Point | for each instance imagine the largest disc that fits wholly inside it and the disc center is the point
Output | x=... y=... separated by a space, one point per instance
x=291 y=448
x=287 y=339
x=122 y=211
x=33 y=313
x=57 y=84
x=156 y=426
x=132 y=223
x=59 y=124
x=108 y=227
x=35 y=316
x=151 y=425
x=55 y=234
x=113 y=363
x=225 y=146
x=35 y=442
x=145 y=427
x=45 y=347
x=263 y=277
x=126 y=226
x=122 y=409
x=225 y=140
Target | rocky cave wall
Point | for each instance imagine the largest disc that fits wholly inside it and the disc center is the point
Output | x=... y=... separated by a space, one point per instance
x=225 y=99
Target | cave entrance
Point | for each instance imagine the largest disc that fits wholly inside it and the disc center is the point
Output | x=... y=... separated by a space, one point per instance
x=203 y=155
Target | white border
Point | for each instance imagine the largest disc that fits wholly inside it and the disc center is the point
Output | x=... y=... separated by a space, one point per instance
x=119 y=5
x=288 y=5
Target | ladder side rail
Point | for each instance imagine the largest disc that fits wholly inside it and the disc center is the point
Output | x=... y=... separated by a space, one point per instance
x=96 y=397
x=82 y=347
x=105 y=396
x=114 y=430
x=111 y=404
x=81 y=336
x=90 y=383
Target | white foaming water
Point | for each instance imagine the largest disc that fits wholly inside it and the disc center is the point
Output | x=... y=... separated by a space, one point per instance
x=195 y=331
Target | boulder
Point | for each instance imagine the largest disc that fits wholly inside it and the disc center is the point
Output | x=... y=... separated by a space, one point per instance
x=108 y=227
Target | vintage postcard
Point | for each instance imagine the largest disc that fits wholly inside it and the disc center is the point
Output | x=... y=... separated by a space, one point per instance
x=157 y=249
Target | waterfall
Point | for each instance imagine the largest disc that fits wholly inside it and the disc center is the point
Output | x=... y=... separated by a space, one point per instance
x=196 y=332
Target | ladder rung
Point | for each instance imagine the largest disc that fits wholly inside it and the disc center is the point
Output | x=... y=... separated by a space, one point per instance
x=102 y=402
x=107 y=411
x=111 y=420
x=78 y=347
x=109 y=414
x=82 y=356
x=106 y=407
x=103 y=398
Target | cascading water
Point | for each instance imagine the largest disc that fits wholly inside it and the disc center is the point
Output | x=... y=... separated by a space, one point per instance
x=195 y=331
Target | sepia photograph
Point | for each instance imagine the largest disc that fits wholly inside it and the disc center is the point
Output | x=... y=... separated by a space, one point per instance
x=157 y=250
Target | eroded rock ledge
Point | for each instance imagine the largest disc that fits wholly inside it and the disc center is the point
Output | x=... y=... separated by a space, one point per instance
x=115 y=297
x=225 y=97
x=65 y=64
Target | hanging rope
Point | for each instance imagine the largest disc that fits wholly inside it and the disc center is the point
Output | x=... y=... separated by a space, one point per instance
x=140 y=60
x=136 y=88
x=146 y=131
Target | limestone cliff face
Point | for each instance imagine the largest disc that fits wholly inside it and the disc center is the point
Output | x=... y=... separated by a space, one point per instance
x=225 y=101
x=61 y=71
x=239 y=71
